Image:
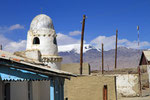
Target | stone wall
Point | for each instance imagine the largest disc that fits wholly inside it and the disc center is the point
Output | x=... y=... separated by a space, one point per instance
x=127 y=85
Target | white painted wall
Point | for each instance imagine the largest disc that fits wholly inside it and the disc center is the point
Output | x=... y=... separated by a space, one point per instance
x=19 y=91
x=46 y=46
x=127 y=85
x=55 y=65
x=44 y=90
x=1 y=90
x=41 y=90
x=35 y=90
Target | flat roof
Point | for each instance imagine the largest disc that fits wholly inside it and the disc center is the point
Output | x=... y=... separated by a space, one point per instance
x=11 y=60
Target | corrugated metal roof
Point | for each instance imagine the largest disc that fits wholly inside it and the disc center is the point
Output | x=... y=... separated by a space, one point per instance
x=147 y=54
x=35 y=64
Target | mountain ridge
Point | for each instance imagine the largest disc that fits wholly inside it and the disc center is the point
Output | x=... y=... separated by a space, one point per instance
x=127 y=57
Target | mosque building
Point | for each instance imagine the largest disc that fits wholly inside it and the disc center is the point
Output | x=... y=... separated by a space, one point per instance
x=42 y=37
x=34 y=74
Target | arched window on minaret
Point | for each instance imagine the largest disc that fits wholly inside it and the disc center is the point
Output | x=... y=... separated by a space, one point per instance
x=55 y=41
x=36 y=40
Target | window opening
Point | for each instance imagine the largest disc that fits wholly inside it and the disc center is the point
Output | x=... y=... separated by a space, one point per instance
x=55 y=41
x=36 y=40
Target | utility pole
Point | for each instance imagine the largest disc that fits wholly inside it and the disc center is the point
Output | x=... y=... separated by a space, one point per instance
x=139 y=70
x=1 y=47
x=108 y=67
x=116 y=60
x=81 y=49
x=102 y=59
x=116 y=49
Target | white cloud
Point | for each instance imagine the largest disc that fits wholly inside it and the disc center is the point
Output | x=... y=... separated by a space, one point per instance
x=16 y=26
x=15 y=46
x=65 y=39
x=109 y=43
x=133 y=44
x=9 y=45
x=5 y=29
x=74 y=33
x=3 y=40
x=12 y=46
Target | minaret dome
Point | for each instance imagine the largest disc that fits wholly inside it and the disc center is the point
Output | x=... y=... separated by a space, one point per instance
x=42 y=37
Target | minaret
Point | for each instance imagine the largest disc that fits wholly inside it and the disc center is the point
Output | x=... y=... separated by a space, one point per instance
x=42 y=37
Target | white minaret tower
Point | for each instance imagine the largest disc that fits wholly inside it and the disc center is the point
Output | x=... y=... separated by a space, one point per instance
x=42 y=37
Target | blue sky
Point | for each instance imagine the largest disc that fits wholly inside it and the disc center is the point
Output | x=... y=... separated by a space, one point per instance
x=104 y=17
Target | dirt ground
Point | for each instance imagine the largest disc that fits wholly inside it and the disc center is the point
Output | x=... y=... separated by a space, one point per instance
x=135 y=98
x=145 y=96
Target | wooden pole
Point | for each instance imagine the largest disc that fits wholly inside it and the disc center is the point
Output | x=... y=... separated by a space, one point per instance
x=116 y=61
x=1 y=47
x=81 y=49
x=108 y=67
x=116 y=50
x=102 y=59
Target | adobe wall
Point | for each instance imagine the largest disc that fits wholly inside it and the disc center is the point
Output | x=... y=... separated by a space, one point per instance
x=89 y=87
x=145 y=74
x=75 y=68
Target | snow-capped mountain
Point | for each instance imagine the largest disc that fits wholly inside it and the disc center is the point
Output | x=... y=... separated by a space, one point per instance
x=75 y=48
x=127 y=57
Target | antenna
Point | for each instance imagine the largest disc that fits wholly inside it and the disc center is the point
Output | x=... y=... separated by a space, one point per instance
x=41 y=10
x=138 y=37
x=139 y=70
